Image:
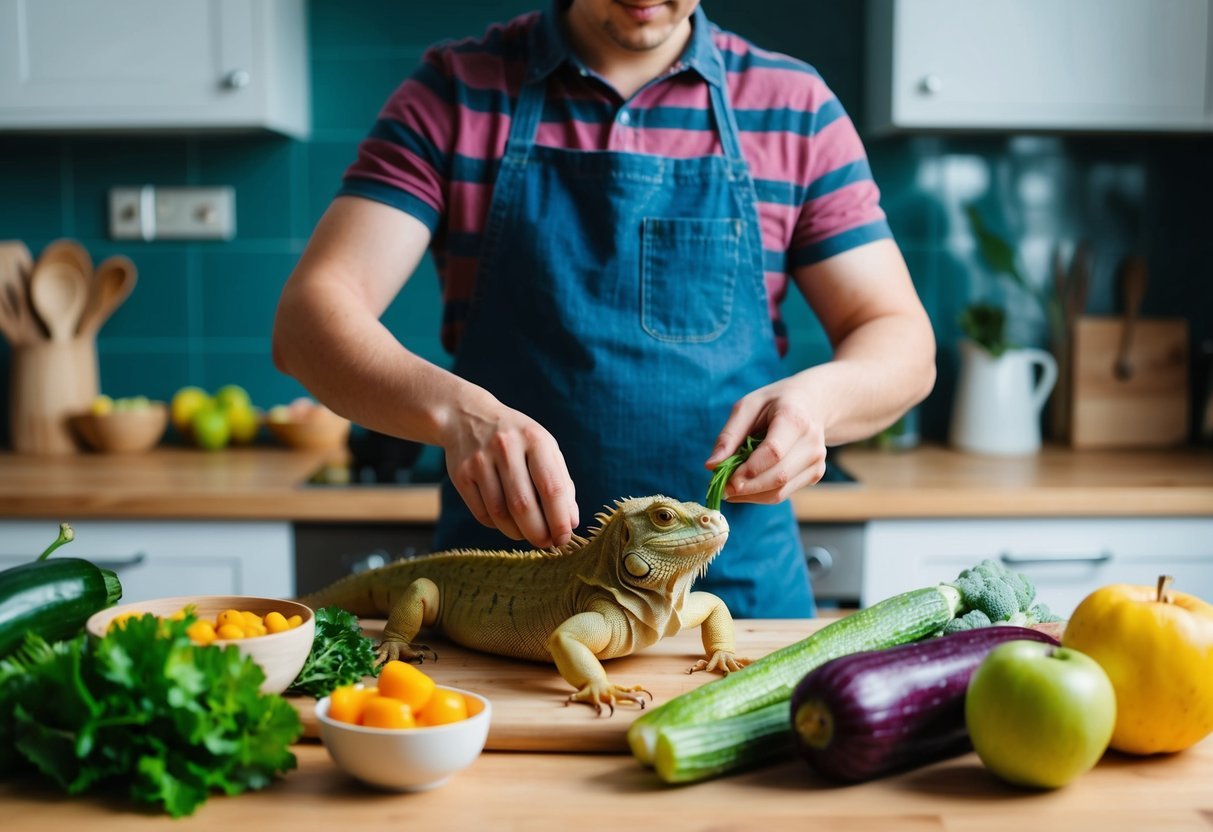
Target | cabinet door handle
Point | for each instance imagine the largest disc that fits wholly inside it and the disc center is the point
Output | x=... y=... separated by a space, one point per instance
x=118 y=564
x=1094 y=559
x=820 y=560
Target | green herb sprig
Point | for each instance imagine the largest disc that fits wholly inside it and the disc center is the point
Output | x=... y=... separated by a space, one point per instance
x=725 y=469
x=340 y=655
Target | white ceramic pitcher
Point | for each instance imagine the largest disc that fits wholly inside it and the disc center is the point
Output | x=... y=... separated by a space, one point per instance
x=998 y=401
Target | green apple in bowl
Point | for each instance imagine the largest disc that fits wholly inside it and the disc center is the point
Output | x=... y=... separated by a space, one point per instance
x=1039 y=715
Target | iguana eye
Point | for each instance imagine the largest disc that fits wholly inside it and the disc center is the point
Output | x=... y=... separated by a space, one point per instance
x=663 y=517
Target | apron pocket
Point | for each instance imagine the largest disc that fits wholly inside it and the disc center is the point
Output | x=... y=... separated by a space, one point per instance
x=688 y=271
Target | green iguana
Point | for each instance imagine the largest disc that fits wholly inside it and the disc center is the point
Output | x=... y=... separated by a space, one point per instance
x=622 y=589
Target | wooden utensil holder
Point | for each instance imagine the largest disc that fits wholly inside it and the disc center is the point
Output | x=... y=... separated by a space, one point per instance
x=51 y=381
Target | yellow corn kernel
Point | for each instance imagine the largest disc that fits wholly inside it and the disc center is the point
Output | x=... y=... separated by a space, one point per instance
x=275 y=622
x=254 y=630
x=251 y=617
x=201 y=632
x=295 y=621
x=229 y=617
x=226 y=631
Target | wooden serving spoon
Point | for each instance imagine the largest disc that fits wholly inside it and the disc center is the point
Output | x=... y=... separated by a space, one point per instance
x=16 y=320
x=67 y=251
x=58 y=291
x=112 y=284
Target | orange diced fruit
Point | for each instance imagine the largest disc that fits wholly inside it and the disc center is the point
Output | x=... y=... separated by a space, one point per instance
x=445 y=706
x=275 y=622
x=473 y=704
x=402 y=681
x=227 y=631
x=294 y=621
x=345 y=704
x=385 y=712
x=119 y=621
x=250 y=618
x=230 y=617
x=201 y=632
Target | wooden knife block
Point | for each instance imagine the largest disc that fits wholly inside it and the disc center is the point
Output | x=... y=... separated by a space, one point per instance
x=51 y=381
x=1147 y=409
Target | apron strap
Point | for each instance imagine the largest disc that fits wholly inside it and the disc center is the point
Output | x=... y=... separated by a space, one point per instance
x=525 y=122
x=726 y=121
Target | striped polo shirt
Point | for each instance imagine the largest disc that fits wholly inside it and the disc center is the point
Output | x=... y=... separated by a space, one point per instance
x=436 y=146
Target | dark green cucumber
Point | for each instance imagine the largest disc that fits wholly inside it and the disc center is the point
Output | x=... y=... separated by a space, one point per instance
x=52 y=598
x=903 y=618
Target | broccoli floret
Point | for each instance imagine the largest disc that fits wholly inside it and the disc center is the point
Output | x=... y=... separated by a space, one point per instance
x=972 y=620
x=999 y=595
x=1041 y=614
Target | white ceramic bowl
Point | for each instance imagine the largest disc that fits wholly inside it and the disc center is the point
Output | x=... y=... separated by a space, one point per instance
x=281 y=655
x=405 y=759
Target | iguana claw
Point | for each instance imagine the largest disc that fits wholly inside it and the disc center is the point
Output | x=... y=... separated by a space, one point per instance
x=391 y=650
x=722 y=661
x=597 y=695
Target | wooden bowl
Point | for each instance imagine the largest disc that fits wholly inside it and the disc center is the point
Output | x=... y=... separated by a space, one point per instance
x=280 y=655
x=122 y=431
x=324 y=433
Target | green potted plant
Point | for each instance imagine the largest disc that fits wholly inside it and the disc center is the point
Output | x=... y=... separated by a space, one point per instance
x=998 y=399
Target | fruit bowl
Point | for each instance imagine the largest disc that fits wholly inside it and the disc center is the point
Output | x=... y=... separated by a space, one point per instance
x=405 y=759
x=122 y=431
x=280 y=655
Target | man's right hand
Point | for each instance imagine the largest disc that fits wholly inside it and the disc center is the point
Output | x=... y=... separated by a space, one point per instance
x=510 y=472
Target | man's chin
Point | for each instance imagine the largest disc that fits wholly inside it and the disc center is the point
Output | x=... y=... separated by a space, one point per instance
x=640 y=39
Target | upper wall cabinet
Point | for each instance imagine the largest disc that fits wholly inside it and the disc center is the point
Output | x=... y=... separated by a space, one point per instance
x=154 y=65
x=1131 y=65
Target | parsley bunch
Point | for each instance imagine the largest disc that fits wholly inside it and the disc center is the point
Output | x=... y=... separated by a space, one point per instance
x=143 y=710
x=340 y=655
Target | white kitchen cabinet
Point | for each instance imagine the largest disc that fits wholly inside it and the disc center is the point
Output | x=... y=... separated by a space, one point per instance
x=159 y=559
x=1066 y=558
x=133 y=65
x=1136 y=65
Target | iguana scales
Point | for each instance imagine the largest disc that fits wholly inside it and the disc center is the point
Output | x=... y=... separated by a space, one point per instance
x=621 y=589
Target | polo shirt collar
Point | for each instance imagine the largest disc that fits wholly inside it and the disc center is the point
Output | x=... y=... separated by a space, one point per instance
x=549 y=47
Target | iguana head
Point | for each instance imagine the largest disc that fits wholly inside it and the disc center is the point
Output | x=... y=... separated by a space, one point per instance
x=656 y=547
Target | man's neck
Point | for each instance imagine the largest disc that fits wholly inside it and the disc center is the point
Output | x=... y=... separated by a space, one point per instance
x=626 y=70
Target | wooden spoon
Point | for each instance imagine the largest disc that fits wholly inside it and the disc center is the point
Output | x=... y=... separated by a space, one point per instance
x=58 y=291
x=112 y=284
x=1133 y=279
x=70 y=252
x=16 y=320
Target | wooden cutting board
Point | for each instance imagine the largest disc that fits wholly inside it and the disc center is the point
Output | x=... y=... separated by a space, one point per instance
x=1148 y=409
x=529 y=712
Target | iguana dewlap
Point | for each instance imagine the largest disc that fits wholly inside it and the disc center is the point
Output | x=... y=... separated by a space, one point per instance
x=620 y=590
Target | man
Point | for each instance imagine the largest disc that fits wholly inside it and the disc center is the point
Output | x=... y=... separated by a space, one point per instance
x=616 y=194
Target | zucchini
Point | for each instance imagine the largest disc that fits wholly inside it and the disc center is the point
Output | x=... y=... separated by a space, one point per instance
x=866 y=715
x=52 y=598
x=907 y=617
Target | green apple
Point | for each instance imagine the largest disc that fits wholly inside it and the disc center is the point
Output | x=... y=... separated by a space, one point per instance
x=1039 y=715
x=210 y=428
x=233 y=397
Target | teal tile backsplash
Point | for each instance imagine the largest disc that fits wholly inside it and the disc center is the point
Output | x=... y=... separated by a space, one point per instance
x=202 y=312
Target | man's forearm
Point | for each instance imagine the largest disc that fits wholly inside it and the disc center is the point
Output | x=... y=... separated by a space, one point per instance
x=880 y=370
x=327 y=340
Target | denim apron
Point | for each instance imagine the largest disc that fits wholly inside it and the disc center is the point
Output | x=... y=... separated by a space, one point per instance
x=620 y=303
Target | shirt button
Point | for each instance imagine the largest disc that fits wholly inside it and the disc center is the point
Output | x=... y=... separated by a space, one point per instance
x=583 y=72
x=625 y=117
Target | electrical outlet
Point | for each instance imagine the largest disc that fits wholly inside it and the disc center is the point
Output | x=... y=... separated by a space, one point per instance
x=152 y=213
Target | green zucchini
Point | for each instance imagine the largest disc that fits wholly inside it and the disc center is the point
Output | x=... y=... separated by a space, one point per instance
x=52 y=598
x=903 y=618
x=686 y=753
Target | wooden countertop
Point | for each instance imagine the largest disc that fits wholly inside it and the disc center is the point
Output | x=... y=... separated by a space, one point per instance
x=266 y=484
x=559 y=792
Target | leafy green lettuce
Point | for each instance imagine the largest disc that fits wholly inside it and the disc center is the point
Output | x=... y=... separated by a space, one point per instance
x=144 y=710
x=340 y=655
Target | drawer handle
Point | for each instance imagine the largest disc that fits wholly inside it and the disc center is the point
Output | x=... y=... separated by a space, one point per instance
x=118 y=564
x=1022 y=560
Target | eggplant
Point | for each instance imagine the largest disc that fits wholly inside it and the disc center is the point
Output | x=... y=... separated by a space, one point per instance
x=865 y=715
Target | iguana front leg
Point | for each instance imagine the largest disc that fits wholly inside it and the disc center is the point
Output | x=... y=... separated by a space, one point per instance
x=705 y=610
x=416 y=608
x=575 y=646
